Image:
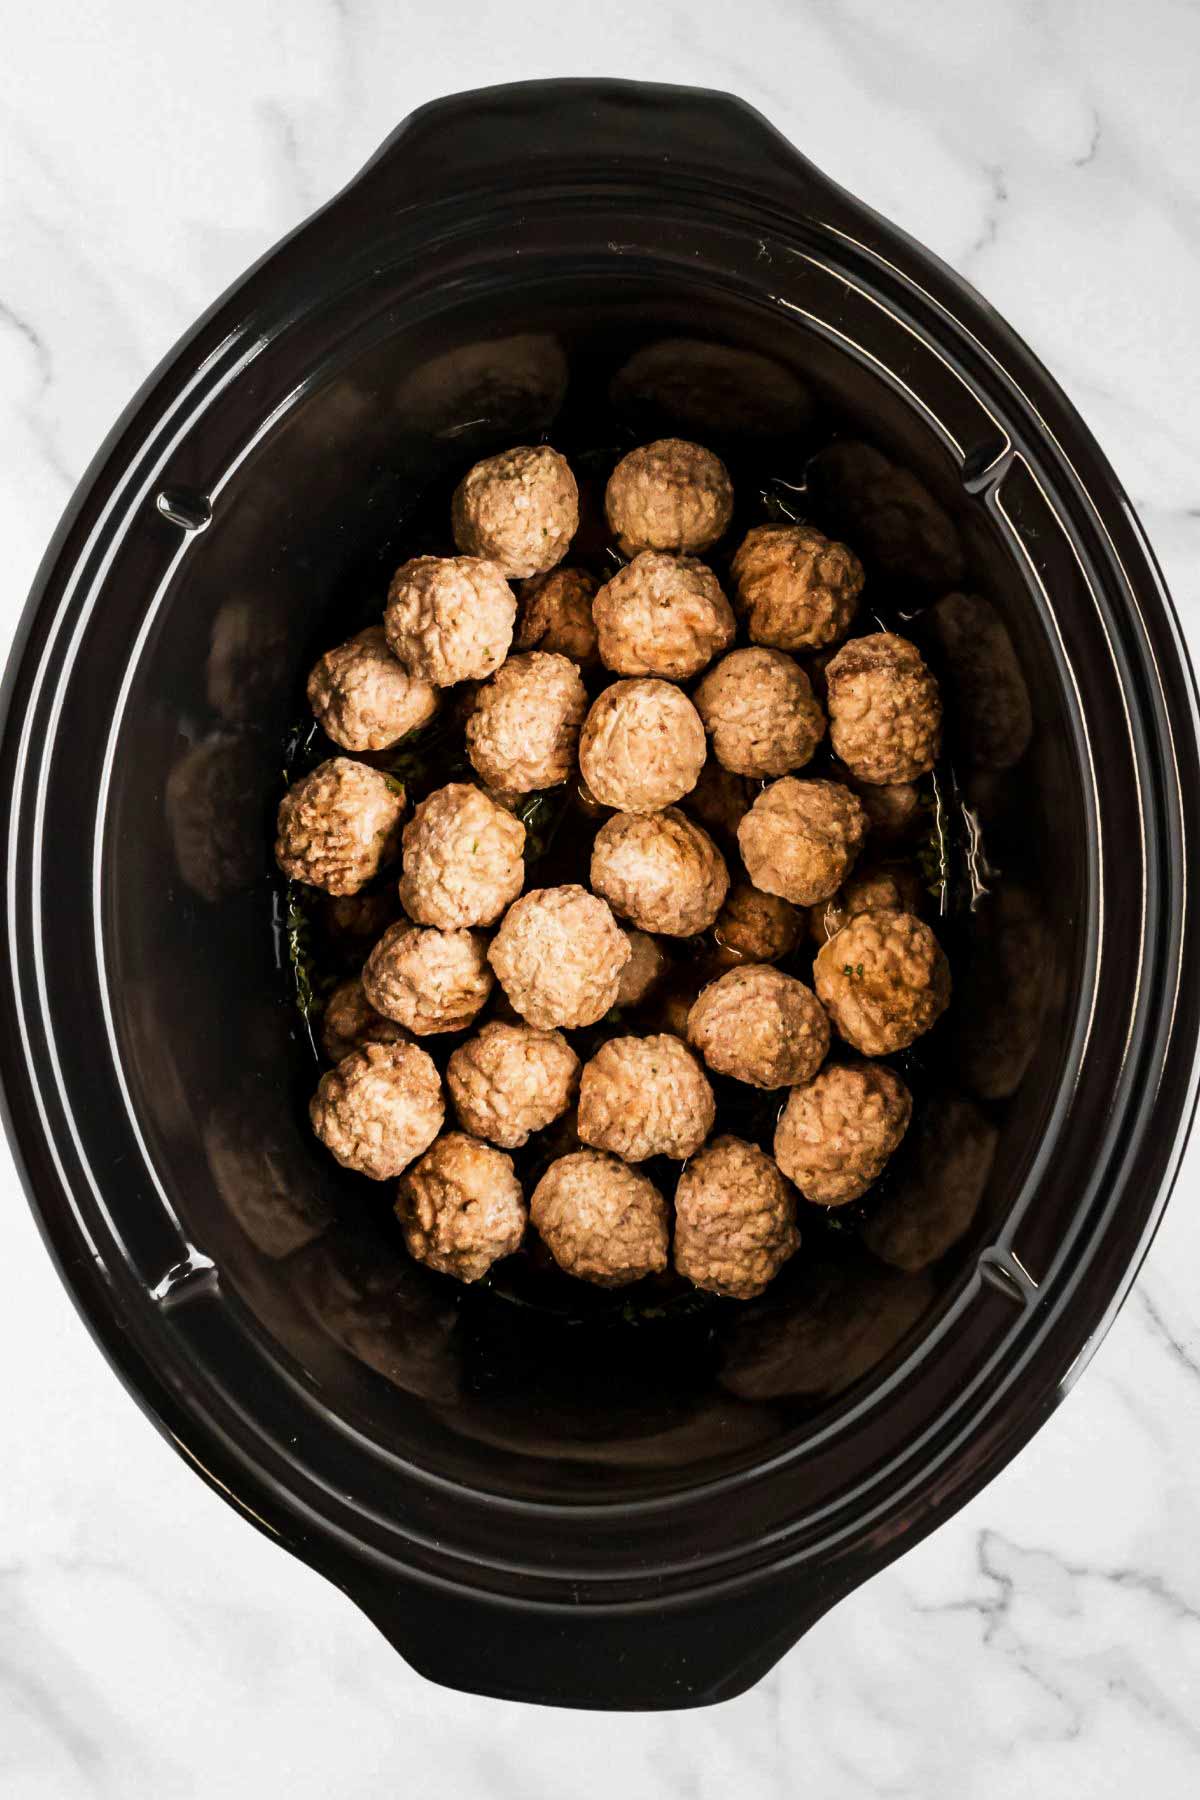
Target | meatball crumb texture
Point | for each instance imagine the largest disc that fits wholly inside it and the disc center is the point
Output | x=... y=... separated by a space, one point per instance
x=554 y=613
x=795 y=588
x=461 y=1207
x=463 y=859
x=558 y=956
x=759 y=709
x=524 y=729
x=886 y=889
x=379 y=1109
x=601 y=1220
x=339 y=825
x=836 y=1135
x=510 y=1081
x=800 y=839
x=884 y=980
x=642 y=746
x=662 y=615
x=753 y=927
x=519 y=510
x=364 y=699
x=641 y=1097
x=450 y=618
x=660 y=871
x=426 y=979
x=760 y=1026
x=735 y=1220
x=669 y=495
x=350 y=1021
x=885 y=711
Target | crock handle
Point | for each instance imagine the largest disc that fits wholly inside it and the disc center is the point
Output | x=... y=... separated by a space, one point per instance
x=647 y=1661
x=536 y=129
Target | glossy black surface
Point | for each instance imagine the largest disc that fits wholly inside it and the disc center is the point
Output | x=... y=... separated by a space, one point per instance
x=584 y=1510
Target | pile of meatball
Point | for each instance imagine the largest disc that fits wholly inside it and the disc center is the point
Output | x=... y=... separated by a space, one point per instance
x=682 y=715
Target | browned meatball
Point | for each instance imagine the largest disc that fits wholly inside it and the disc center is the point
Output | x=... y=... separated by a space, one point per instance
x=641 y=1097
x=379 y=1108
x=559 y=956
x=991 y=701
x=600 y=1219
x=450 y=618
x=364 y=699
x=524 y=728
x=338 y=826
x=646 y=966
x=884 y=980
x=796 y=588
x=936 y=1202
x=894 y=888
x=758 y=708
x=670 y=495
x=426 y=979
x=349 y=1021
x=353 y=922
x=800 y=838
x=835 y=1135
x=461 y=1207
x=760 y=1026
x=642 y=746
x=735 y=1220
x=554 y=613
x=895 y=519
x=720 y=800
x=520 y=510
x=885 y=711
x=712 y=388
x=660 y=871
x=463 y=859
x=510 y=1081
x=662 y=615
x=892 y=807
x=753 y=927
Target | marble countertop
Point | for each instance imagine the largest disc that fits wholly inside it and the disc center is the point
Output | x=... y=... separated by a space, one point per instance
x=1047 y=1640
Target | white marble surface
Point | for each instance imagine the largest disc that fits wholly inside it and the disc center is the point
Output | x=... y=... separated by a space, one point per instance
x=1047 y=1641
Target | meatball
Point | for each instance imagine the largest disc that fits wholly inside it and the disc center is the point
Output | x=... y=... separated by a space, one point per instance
x=450 y=618
x=660 y=871
x=795 y=588
x=720 y=800
x=1005 y=986
x=641 y=1097
x=898 y=522
x=670 y=495
x=514 y=384
x=885 y=712
x=510 y=1081
x=936 y=1202
x=755 y=927
x=349 y=1021
x=884 y=980
x=662 y=615
x=991 y=701
x=892 y=807
x=463 y=859
x=559 y=956
x=600 y=1219
x=835 y=1135
x=364 y=699
x=524 y=729
x=554 y=613
x=379 y=1108
x=520 y=510
x=426 y=979
x=800 y=838
x=339 y=825
x=642 y=746
x=353 y=922
x=735 y=1220
x=261 y=1170
x=758 y=708
x=760 y=1026
x=646 y=966
x=712 y=388
x=214 y=811
x=895 y=889
x=461 y=1207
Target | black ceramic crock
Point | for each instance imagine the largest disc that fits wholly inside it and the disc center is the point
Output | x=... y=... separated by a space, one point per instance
x=610 y=1513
